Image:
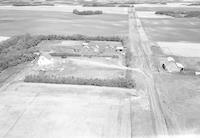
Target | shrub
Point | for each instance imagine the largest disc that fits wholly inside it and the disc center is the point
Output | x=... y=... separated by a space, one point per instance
x=42 y=78
x=89 y=12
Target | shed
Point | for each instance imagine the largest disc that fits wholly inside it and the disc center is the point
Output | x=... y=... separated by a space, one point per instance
x=119 y=48
x=170 y=59
x=172 y=67
x=179 y=65
x=197 y=73
x=85 y=44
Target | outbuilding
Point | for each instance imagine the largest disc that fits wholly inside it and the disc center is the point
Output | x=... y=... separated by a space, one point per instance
x=120 y=48
x=85 y=44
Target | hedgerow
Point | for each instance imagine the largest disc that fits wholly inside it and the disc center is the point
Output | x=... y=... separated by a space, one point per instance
x=180 y=14
x=88 y=12
x=99 y=5
x=28 y=3
x=43 y=78
x=80 y=37
x=66 y=54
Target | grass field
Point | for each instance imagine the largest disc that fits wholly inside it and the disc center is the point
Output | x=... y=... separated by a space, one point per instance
x=15 y=22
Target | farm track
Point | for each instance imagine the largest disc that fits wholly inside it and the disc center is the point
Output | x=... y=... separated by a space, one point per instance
x=141 y=51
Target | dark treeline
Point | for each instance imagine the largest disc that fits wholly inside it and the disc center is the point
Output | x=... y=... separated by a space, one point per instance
x=99 y=4
x=180 y=14
x=43 y=78
x=88 y=12
x=24 y=3
x=65 y=54
x=20 y=49
x=80 y=37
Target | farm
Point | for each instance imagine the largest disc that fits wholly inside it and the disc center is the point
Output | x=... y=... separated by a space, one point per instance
x=83 y=60
x=99 y=69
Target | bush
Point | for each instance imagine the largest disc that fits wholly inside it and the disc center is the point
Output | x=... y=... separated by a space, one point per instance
x=17 y=50
x=42 y=78
x=89 y=12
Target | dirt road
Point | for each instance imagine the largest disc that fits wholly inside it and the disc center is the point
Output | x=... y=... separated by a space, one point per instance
x=141 y=59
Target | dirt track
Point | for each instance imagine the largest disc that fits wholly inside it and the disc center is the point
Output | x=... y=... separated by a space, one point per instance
x=141 y=58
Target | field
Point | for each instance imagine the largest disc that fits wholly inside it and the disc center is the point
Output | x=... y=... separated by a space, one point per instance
x=178 y=92
x=99 y=85
x=15 y=22
x=172 y=30
x=47 y=106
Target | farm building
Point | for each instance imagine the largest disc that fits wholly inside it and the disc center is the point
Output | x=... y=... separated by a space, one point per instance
x=119 y=48
x=170 y=65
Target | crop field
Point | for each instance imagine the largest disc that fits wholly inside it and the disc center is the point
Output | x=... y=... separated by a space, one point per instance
x=172 y=29
x=15 y=22
x=45 y=106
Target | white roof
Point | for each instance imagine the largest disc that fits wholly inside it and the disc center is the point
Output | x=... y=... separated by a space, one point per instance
x=85 y=43
x=179 y=65
x=43 y=61
x=170 y=59
x=171 y=67
x=120 y=47
x=197 y=73
x=3 y=38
